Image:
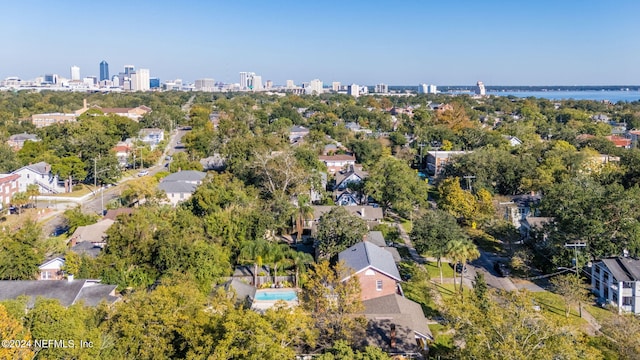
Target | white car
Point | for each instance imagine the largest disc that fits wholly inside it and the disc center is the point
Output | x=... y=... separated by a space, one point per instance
x=143 y=173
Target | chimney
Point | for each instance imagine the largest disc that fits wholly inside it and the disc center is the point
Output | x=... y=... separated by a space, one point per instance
x=362 y=212
x=392 y=337
x=69 y=277
x=84 y=103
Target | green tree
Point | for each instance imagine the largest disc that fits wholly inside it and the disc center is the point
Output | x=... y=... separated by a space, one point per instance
x=12 y=329
x=623 y=330
x=19 y=200
x=304 y=212
x=255 y=252
x=75 y=218
x=70 y=168
x=338 y=230
x=456 y=201
x=461 y=251
x=396 y=186
x=510 y=328
x=333 y=304
x=33 y=190
x=432 y=233
x=573 y=291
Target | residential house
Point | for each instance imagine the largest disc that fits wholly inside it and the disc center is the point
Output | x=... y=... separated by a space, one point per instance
x=513 y=141
x=42 y=120
x=342 y=194
x=619 y=141
x=374 y=267
x=376 y=238
x=90 y=239
x=113 y=214
x=181 y=185
x=9 y=185
x=134 y=114
x=151 y=136
x=436 y=160
x=336 y=163
x=39 y=174
x=123 y=151
x=68 y=292
x=397 y=325
x=617 y=282
x=51 y=269
x=372 y=215
x=521 y=207
x=354 y=127
x=297 y=133
x=16 y=142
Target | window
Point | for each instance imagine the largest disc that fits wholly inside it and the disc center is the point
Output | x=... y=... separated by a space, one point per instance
x=627 y=284
x=378 y=285
x=44 y=275
x=627 y=300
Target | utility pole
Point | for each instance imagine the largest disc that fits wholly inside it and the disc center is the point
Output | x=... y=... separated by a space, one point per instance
x=422 y=145
x=469 y=177
x=575 y=247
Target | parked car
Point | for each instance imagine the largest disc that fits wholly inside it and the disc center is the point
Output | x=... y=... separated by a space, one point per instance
x=501 y=268
x=143 y=173
x=460 y=268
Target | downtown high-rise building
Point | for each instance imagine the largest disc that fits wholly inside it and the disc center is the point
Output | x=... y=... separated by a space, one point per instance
x=75 y=73
x=104 y=70
x=140 y=80
x=480 y=89
x=246 y=80
x=128 y=69
x=207 y=85
x=314 y=88
x=381 y=89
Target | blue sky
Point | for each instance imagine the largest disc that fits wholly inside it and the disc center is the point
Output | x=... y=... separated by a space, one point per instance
x=399 y=42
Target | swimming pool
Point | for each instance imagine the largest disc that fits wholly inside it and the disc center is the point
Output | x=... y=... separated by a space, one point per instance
x=271 y=295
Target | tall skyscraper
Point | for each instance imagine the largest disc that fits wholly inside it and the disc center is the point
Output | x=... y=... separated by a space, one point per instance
x=423 y=89
x=480 y=90
x=246 y=80
x=382 y=88
x=104 y=70
x=314 y=88
x=205 y=85
x=353 y=90
x=75 y=73
x=128 y=69
x=290 y=84
x=335 y=86
x=140 y=80
x=256 y=83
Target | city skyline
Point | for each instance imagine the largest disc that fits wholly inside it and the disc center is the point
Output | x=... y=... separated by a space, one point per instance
x=399 y=43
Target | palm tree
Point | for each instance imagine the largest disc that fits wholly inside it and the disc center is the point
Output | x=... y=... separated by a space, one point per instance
x=461 y=251
x=304 y=212
x=299 y=259
x=254 y=252
x=33 y=190
x=19 y=199
x=276 y=254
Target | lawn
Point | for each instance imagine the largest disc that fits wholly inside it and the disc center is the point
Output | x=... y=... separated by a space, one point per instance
x=79 y=193
x=407 y=225
x=446 y=290
x=553 y=306
x=485 y=241
x=600 y=314
x=443 y=340
x=434 y=272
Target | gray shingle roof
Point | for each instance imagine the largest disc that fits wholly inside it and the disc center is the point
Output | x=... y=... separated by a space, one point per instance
x=86 y=248
x=67 y=292
x=376 y=238
x=185 y=175
x=623 y=268
x=370 y=213
x=173 y=187
x=365 y=254
x=402 y=310
x=40 y=168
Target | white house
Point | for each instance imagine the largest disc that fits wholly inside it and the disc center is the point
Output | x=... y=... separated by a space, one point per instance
x=39 y=174
x=52 y=269
x=151 y=136
x=336 y=163
x=181 y=185
x=617 y=282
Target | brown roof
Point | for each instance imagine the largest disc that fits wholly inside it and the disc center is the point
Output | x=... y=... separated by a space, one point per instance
x=9 y=178
x=113 y=214
x=336 y=157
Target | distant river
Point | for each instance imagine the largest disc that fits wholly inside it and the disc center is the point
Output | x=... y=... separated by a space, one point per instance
x=611 y=95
